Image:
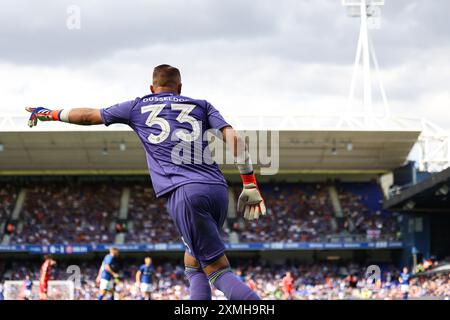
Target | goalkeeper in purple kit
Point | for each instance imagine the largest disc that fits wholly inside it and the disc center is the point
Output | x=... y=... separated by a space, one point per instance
x=196 y=191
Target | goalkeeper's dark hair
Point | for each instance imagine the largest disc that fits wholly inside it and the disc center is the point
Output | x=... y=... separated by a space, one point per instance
x=165 y=75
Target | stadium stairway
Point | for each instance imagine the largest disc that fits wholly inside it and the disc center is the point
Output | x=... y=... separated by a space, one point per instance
x=123 y=213
x=15 y=215
x=130 y=228
x=336 y=204
x=124 y=200
x=335 y=201
x=232 y=214
x=231 y=204
x=120 y=238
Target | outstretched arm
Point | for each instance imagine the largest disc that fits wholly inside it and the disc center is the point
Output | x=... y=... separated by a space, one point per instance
x=138 y=277
x=99 y=274
x=250 y=201
x=110 y=271
x=234 y=142
x=81 y=116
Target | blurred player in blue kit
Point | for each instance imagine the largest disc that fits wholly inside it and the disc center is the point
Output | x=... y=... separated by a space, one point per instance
x=144 y=279
x=27 y=288
x=404 y=283
x=107 y=274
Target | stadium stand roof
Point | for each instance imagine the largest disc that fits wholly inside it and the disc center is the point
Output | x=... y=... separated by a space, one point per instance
x=98 y=151
x=306 y=145
x=429 y=195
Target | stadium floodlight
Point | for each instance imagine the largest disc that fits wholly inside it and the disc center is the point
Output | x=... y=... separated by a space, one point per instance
x=122 y=146
x=357 y=3
x=409 y=205
x=443 y=191
x=371 y=7
x=334 y=149
x=369 y=13
x=349 y=146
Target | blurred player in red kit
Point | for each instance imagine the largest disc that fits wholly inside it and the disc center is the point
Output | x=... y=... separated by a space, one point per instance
x=46 y=270
x=250 y=283
x=288 y=286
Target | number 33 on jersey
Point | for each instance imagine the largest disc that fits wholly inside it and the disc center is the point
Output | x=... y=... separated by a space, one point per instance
x=183 y=116
x=161 y=121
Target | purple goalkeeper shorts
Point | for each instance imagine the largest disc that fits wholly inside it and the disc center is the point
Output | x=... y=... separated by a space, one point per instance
x=199 y=211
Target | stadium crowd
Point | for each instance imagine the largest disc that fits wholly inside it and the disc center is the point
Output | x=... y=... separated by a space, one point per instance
x=304 y=212
x=318 y=281
x=361 y=215
x=297 y=213
x=87 y=212
x=150 y=221
x=63 y=214
x=8 y=195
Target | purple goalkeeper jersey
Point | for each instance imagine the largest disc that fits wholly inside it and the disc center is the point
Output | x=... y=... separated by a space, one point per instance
x=172 y=130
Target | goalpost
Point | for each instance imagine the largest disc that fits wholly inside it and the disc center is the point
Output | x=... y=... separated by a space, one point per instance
x=57 y=290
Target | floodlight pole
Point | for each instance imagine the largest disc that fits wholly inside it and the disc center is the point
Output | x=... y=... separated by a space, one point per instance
x=364 y=43
x=364 y=53
x=433 y=143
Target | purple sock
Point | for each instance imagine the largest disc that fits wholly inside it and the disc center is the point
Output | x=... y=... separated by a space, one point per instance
x=198 y=284
x=231 y=286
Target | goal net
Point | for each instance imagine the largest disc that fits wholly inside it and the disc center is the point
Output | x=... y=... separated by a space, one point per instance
x=57 y=290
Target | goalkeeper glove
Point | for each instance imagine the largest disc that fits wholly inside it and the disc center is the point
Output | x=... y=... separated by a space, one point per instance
x=250 y=201
x=42 y=114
